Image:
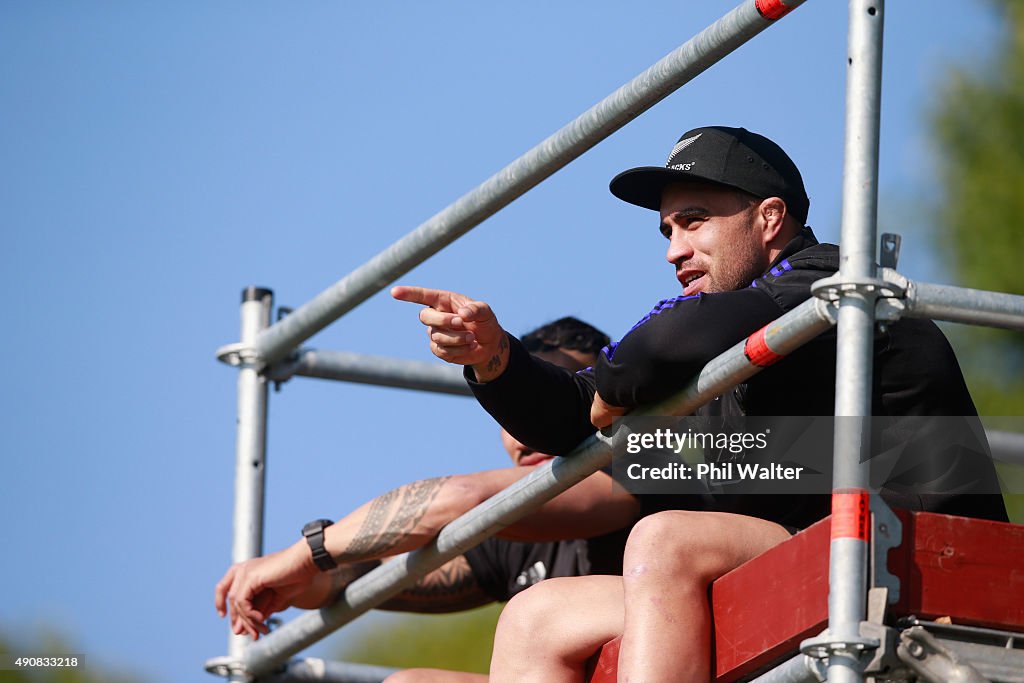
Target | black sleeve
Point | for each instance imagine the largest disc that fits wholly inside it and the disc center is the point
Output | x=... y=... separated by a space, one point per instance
x=675 y=340
x=503 y=568
x=543 y=405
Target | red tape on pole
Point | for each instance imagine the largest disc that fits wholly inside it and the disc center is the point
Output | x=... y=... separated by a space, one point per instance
x=757 y=352
x=772 y=9
x=851 y=515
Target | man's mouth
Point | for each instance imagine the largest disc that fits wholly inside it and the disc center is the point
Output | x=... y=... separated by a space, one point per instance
x=533 y=459
x=691 y=280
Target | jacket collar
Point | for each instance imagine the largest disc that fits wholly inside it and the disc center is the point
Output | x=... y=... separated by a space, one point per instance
x=804 y=240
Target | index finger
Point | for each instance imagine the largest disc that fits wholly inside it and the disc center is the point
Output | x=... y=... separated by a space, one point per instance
x=422 y=295
x=220 y=593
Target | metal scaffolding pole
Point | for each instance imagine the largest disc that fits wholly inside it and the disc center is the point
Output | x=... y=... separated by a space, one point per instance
x=780 y=338
x=312 y=669
x=672 y=72
x=251 y=445
x=799 y=669
x=344 y=366
x=962 y=305
x=848 y=550
x=1006 y=447
x=378 y=370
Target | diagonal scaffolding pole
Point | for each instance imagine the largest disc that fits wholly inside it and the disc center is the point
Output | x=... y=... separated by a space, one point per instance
x=643 y=92
x=345 y=366
x=782 y=337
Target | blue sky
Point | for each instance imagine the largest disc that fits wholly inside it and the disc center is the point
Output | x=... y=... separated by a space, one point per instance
x=159 y=157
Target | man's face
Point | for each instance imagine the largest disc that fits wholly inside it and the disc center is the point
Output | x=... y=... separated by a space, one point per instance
x=571 y=359
x=714 y=237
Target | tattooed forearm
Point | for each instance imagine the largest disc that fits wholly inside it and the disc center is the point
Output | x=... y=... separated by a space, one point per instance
x=347 y=573
x=392 y=517
x=376 y=516
x=450 y=588
x=417 y=499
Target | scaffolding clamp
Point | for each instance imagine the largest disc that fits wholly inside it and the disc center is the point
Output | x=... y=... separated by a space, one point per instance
x=932 y=660
x=226 y=667
x=875 y=648
x=239 y=354
x=887 y=291
x=826 y=645
x=283 y=370
x=886 y=534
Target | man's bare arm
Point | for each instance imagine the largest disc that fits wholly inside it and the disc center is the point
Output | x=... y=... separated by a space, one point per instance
x=595 y=506
x=412 y=515
x=408 y=518
x=450 y=588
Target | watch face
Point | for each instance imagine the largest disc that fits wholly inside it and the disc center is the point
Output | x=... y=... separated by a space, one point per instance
x=316 y=526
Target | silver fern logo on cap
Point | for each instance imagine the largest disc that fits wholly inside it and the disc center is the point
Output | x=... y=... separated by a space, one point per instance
x=680 y=146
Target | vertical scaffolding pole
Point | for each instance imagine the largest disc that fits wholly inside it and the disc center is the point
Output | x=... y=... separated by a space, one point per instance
x=251 y=444
x=855 y=351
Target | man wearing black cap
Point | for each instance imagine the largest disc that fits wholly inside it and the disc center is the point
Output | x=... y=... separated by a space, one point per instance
x=733 y=209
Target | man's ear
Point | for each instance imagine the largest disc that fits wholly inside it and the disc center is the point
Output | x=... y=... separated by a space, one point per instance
x=772 y=212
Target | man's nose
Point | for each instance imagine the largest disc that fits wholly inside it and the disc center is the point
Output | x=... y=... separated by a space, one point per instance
x=679 y=248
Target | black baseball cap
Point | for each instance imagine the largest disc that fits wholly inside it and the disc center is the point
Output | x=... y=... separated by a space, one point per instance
x=734 y=157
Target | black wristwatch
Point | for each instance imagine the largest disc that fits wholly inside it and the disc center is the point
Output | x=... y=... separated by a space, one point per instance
x=314 y=533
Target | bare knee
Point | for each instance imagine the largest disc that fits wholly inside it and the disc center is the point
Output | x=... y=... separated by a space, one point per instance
x=584 y=612
x=407 y=676
x=434 y=676
x=529 y=612
x=671 y=541
x=696 y=547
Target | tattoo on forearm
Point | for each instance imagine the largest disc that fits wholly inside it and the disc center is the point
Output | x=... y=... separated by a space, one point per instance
x=450 y=588
x=376 y=516
x=347 y=573
x=378 y=535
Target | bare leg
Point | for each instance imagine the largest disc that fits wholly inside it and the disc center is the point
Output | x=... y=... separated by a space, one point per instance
x=434 y=676
x=670 y=561
x=547 y=632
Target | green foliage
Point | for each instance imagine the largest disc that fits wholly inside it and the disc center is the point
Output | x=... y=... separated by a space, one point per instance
x=50 y=643
x=978 y=127
x=460 y=642
x=1012 y=477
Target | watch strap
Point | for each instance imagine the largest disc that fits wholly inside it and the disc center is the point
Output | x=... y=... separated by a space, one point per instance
x=314 y=534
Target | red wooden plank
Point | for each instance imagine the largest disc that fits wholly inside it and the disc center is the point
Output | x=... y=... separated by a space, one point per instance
x=607 y=666
x=763 y=609
x=969 y=569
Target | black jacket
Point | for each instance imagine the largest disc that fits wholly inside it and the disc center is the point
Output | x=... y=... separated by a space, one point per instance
x=915 y=374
